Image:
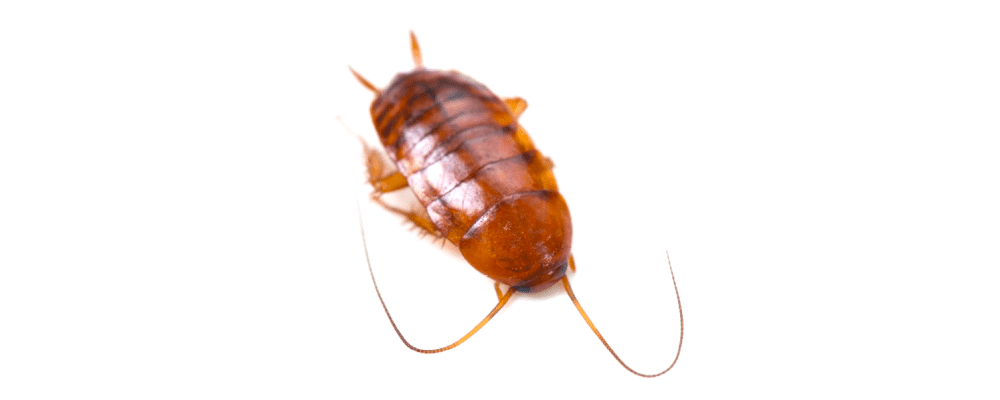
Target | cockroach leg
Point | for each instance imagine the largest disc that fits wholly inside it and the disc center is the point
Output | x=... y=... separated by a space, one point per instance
x=572 y=264
x=390 y=183
x=377 y=168
x=383 y=182
x=419 y=218
x=496 y=286
x=516 y=105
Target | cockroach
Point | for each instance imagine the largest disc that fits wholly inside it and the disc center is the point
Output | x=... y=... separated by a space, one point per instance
x=482 y=183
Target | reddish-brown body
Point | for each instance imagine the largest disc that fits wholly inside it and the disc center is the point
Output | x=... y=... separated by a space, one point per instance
x=484 y=185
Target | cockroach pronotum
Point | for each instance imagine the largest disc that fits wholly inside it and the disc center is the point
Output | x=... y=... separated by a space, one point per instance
x=483 y=184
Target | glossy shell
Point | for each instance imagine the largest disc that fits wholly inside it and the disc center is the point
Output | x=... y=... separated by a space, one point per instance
x=484 y=185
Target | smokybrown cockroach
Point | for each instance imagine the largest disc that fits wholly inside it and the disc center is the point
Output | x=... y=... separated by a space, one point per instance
x=482 y=183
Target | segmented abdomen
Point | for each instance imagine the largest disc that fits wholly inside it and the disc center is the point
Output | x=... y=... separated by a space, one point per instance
x=459 y=146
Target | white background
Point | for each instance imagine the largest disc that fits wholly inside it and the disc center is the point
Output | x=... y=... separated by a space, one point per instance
x=178 y=216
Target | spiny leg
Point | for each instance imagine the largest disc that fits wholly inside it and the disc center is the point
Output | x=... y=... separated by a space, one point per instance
x=389 y=183
x=376 y=168
x=383 y=183
x=377 y=171
x=416 y=217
